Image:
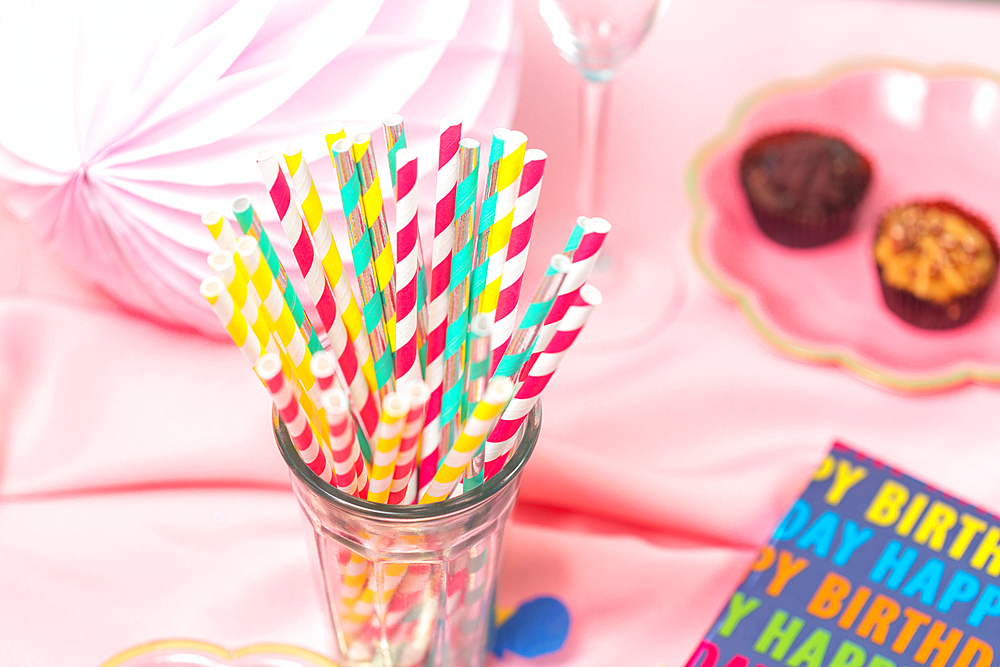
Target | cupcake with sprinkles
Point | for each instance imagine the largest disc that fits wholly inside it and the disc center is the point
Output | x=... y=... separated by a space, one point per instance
x=936 y=263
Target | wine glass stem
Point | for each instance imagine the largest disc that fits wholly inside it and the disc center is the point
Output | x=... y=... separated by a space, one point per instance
x=593 y=139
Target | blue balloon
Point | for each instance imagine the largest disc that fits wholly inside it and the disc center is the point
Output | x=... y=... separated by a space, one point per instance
x=539 y=626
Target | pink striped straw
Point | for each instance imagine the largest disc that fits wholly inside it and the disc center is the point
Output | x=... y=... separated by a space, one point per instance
x=584 y=258
x=298 y=237
x=342 y=440
x=407 y=268
x=500 y=442
x=517 y=253
x=319 y=288
x=315 y=456
x=417 y=392
x=444 y=234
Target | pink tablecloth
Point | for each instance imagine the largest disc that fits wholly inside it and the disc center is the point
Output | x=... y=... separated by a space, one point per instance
x=141 y=495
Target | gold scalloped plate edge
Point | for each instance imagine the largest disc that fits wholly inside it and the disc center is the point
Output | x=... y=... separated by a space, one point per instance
x=309 y=658
x=744 y=296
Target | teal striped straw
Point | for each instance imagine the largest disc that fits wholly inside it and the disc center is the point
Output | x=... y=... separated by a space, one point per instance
x=522 y=342
x=246 y=216
x=487 y=213
x=453 y=408
x=477 y=377
x=574 y=236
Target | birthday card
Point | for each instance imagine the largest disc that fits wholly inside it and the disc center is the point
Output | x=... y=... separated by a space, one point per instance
x=869 y=568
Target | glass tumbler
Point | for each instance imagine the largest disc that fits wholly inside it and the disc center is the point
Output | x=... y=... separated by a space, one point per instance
x=410 y=585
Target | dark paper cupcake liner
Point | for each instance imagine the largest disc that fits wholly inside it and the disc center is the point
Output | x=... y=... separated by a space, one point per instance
x=800 y=234
x=929 y=314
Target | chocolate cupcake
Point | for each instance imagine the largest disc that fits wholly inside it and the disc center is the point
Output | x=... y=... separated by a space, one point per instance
x=803 y=187
x=936 y=262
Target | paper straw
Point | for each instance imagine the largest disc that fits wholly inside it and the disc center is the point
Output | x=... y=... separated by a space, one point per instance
x=221 y=230
x=508 y=181
x=501 y=440
x=236 y=326
x=498 y=393
x=417 y=393
x=348 y=446
x=357 y=230
x=478 y=375
x=517 y=252
x=298 y=237
x=453 y=411
x=310 y=449
x=584 y=258
x=343 y=444
x=523 y=340
x=441 y=252
x=248 y=221
x=347 y=305
x=386 y=445
x=573 y=242
x=373 y=208
x=323 y=369
x=395 y=141
x=248 y=253
x=487 y=214
x=408 y=249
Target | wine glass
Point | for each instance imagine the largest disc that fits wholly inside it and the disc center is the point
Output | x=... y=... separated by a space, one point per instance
x=596 y=36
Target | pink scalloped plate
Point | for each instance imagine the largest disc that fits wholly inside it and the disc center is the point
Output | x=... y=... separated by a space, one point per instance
x=930 y=133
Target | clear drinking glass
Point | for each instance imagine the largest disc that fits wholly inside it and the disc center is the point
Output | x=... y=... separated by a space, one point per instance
x=410 y=585
x=596 y=36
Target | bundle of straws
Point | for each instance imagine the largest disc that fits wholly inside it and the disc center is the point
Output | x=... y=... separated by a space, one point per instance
x=431 y=359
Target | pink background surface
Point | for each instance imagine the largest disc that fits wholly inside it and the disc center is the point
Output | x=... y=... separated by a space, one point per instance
x=142 y=497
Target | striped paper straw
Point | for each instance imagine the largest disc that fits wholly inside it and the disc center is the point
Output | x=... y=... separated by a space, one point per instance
x=248 y=253
x=298 y=237
x=386 y=445
x=381 y=586
x=441 y=251
x=417 y=393
x=373 y=208
x=452 y=413
x=584 y=258
x=361 y=250
x=221 y=230
x=517 y=252
x=487 y=214
x=247 y=218
x=508 y=181
x=310 y=449
x=523 y=340
x=504 y=435
x=407 y=268
x=236 y=326
x=333 y=264
x=245 y=297
x=337 y=334
x=479 y=423
x=342 y=441
x=479 y=368
x=395 y=140
x=573 y=242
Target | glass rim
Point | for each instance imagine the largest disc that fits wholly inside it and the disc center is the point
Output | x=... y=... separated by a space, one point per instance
x=408 y=513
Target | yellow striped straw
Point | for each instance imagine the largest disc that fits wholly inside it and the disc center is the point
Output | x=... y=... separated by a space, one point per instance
x=482 y=420
x=508 y=181
x=214 y=291
x=248 y=254
x=230 y=270
x=221 y=230
x=329 y=254
x=386 y=445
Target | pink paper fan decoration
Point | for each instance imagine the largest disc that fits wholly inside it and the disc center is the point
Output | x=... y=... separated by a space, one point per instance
x=123 y=122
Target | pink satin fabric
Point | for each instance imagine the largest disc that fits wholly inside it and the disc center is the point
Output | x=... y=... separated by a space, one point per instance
x=142 y=497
